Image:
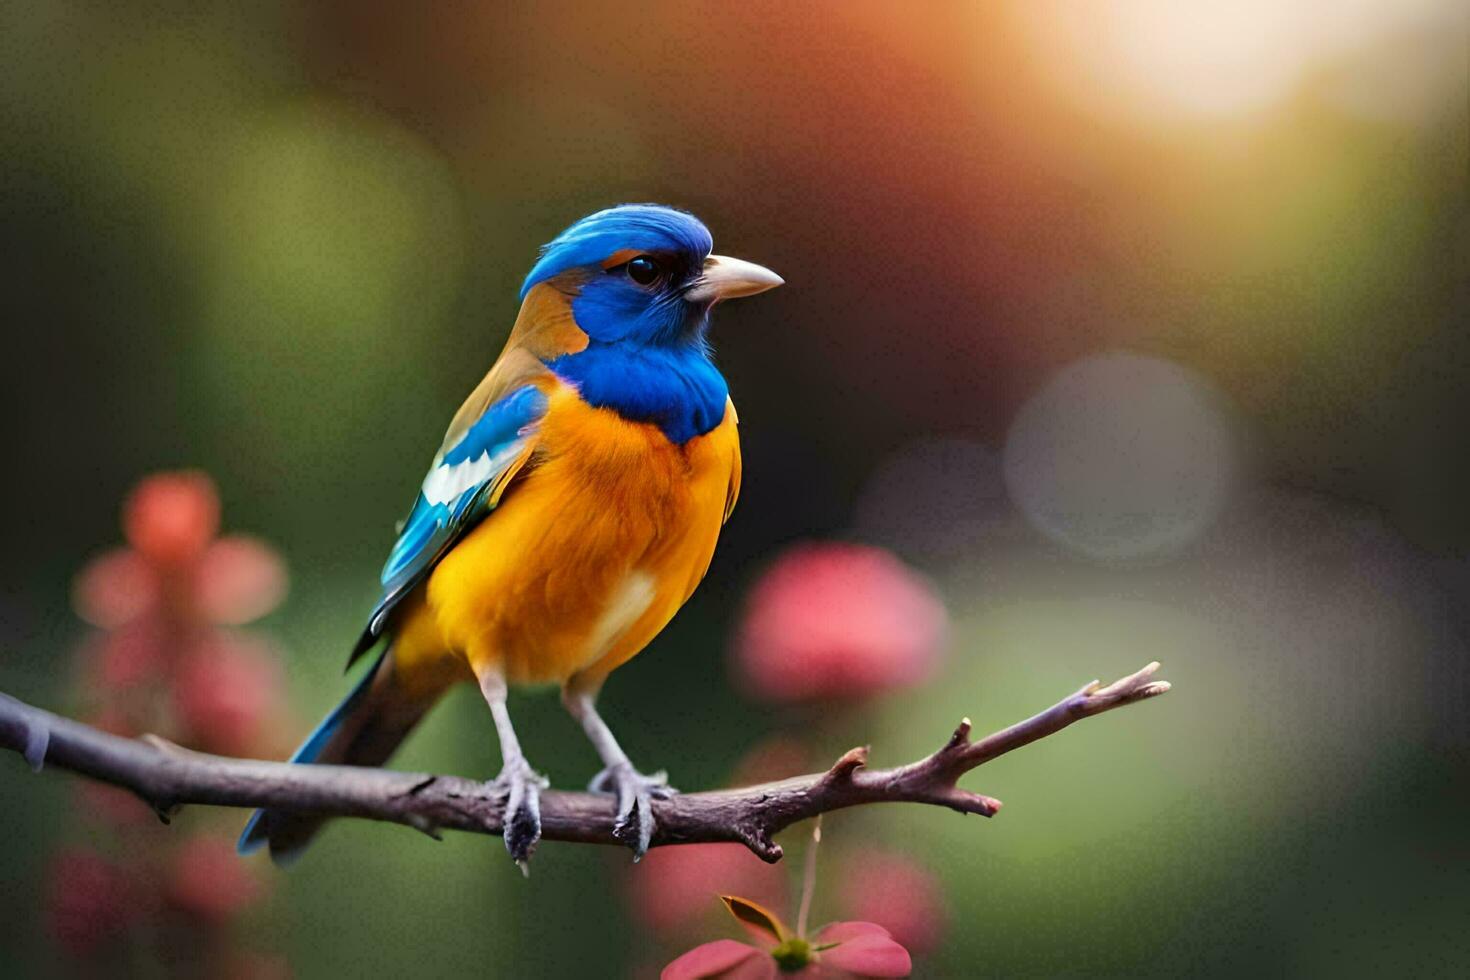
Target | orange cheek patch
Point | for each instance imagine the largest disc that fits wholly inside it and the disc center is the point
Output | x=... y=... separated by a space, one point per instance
x=545 y=326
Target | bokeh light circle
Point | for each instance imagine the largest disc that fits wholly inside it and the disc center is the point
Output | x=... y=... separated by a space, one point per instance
x=1123 y=457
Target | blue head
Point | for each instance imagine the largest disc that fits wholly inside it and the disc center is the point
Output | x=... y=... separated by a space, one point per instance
x=641 y=282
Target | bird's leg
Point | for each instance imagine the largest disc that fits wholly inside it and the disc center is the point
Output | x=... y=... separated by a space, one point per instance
x=634 y=790
x=518 y=782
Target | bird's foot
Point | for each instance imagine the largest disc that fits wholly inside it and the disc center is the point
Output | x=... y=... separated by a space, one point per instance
x=520 y=786
x=635 y=793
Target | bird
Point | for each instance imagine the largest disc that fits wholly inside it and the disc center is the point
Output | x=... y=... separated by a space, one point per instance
x=571 y=509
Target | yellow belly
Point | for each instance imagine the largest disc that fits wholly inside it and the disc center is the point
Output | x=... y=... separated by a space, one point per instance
x=587 y=557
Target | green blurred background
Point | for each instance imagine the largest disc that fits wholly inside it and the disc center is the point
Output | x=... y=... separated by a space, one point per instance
x=1140 y=327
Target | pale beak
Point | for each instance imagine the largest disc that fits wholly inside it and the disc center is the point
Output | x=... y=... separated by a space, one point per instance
x=727 y=278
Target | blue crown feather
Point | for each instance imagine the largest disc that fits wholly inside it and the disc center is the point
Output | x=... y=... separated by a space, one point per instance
x=644 y=227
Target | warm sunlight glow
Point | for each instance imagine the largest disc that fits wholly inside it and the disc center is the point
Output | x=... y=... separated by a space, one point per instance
x=1211 y=60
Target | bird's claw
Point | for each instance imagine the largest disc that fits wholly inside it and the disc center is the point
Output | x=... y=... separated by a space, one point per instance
x=635 y=793
x=521 y=787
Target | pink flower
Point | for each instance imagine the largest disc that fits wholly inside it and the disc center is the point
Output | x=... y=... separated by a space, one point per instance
x=127 y=656
x=209 y=880
x=167 y=658
x=176 y=568
x=169 y=518
x=842 y=949
x=90 y=900
x=224 y=691
x=115 y=589
x=895 y=892
x=670 y=887
x=114 y=721
x=776 y=757
x=838 y=621
x=113 y=804
x=239 y=579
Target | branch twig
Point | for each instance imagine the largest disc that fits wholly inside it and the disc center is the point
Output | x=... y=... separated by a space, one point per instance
x=167 y=776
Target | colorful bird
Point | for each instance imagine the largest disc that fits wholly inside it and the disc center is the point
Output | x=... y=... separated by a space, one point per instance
x=571 y=510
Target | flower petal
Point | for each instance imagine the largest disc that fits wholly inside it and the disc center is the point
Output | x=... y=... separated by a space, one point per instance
x=239 y=579
x=114 y=805
x=710 y=960
x=208 y=880
x=224 y=693
x=839 y=932
x=835 y=621
x=897 y=892
x=129 y=655
x=869 y=955
x=756 y=968
x=90 y=900
x=757 y=918
x=114 y=588
x=170 y=517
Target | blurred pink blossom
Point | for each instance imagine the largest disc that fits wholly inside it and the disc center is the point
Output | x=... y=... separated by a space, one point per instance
x=776 y=757
x=673 y=887
x=830 y=621
x=169 y=518
x=177 y=570
x=113 y=805
x=167 y=659
x=898 y=894
x=90 y=900
x=115 y=588
x=113 y=721
x=128 y=655
x=209 y=880
x=239 y=579
x=225 y=691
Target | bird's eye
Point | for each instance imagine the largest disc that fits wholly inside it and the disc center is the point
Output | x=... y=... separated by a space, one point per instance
x=644 y=270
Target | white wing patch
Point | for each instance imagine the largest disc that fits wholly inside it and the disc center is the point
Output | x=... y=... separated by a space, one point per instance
x=445 y=483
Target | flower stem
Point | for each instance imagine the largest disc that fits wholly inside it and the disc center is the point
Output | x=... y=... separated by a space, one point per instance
x=809 y=877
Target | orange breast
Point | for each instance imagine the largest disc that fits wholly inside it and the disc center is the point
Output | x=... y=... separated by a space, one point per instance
x=588 y=556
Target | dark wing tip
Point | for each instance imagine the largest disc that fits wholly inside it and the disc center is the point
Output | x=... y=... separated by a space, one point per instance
x=365 y=642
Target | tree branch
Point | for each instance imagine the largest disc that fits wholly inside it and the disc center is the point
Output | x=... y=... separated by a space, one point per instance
x=167 y=776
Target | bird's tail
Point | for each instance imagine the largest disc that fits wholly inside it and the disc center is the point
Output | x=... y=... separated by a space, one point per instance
x=364 y=730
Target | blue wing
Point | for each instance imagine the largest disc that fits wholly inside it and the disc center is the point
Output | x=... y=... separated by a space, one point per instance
x=462 y=486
